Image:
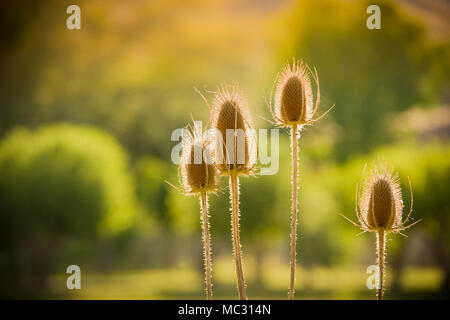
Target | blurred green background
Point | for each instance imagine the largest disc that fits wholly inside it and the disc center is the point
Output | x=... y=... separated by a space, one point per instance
x=85 y=123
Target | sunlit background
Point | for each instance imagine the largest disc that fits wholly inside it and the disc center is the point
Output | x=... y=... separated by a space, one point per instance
x=85 y=123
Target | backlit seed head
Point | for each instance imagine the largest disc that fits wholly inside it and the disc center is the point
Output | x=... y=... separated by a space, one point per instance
x=235 y=137
x=197 y=170
x=381 y=202
x=293 y=105
x=380 y=206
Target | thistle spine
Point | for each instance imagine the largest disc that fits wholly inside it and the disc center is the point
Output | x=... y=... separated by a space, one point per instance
x=206 y=239
x=293 y=236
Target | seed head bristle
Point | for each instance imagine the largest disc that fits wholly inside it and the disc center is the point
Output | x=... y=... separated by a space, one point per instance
x=230 y=115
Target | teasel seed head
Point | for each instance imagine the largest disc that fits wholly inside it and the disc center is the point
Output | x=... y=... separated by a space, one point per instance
x=197 y=171
x=381 y=202
x=379 y=210
x=230 y=119
x=380 y=206
x=294 y=105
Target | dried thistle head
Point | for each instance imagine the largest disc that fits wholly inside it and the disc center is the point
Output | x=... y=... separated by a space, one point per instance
x=294 y=104
x=235 y=137
x=197 y=171
x=380 y=204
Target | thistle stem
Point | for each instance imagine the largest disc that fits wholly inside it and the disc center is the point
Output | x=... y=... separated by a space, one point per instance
x=206 y=237
x=381 y=253
x=294 y=146
x=237 y=252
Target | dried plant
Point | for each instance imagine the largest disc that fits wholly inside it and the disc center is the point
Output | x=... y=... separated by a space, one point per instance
x=235 y=156
x=198 y=176
x=379 y=209
x=294 y=108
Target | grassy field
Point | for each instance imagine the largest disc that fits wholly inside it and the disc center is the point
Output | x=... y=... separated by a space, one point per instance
x=187 y=283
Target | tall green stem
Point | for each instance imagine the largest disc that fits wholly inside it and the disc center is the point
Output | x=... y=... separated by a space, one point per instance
x=294 y=146
x=237 y=248
x=381 y=254
x=206 y=237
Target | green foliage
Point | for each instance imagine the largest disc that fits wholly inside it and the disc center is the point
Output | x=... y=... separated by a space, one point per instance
x=259 y=219
x=59 y=182
x=171 y=208
x=183 y=213
x=368 y=74
x=429 y=170
x=152 y=192
x=431 y=192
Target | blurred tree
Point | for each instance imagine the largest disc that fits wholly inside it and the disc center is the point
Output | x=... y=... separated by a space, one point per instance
x=132 y=73
x=57 y=183
x=432 y=202
x=320 y=240
x=368 y=74
x=429 y=168
x=260 y=221
x=151 y=189
x=164 y=203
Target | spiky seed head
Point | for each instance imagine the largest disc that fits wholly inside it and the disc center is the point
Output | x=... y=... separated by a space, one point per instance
x=381 y=202
x=235 y=138
x=197 y=170
x=293 y=96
